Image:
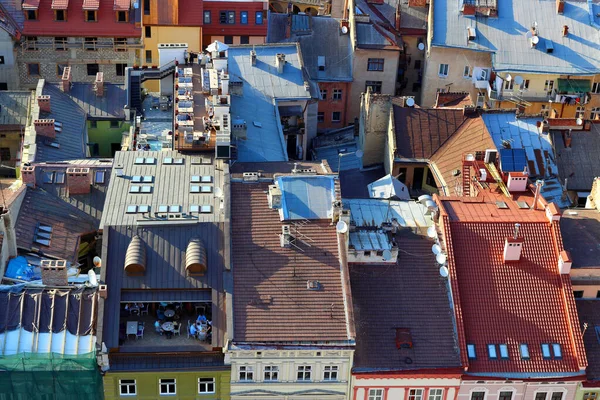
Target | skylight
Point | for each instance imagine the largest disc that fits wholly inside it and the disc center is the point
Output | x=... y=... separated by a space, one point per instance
x=135 y=189
x=546 y=350
x=206 y=209
x=132 y=209
x=144 y=208
x=503 y=351
x=194 y=209
x=557 y=350
x=206 y=189
x=168 y=160
x=163 y=209
x=99 y=178
x=60 y=177
x=471 y=351
x=178 y=161
x=492 y=351
x=206 y=179
x=195 y=189
x=136 y=179
x=524 y=351
x=148 y=179
x=150 y=160
x=139 y=160
x=174 y=209
x=523 y=205
x=146 y=189
x=195 y=179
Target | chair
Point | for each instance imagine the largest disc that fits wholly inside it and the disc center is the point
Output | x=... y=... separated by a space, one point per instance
x=177 y=330
x=200 y=309
x=140 y=331
x=144 y=309
x=188 y=329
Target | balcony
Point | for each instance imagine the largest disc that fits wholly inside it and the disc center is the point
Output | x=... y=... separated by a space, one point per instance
x=521 y=95
x=117 y=44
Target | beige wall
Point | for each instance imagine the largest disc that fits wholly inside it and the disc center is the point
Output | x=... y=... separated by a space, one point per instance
x=398 y=386
x=414 y=56
x=374 y=127
x=236 y=39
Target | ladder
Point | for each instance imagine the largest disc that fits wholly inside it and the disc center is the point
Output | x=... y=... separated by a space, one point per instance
x=466 y=179
x=496 y=175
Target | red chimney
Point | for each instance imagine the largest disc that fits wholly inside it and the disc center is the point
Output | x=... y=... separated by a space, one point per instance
x=99 y=84
x=417 y=3
x=45 y=127
x=78 y=180
x=468 y=9
x=288 y=26
x=560 y=6
x=66 y=80
x=28 y=175
x=44 y=103
x=565 y=30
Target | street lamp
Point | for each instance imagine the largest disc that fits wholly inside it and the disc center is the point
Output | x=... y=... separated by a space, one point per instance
x=358 y=153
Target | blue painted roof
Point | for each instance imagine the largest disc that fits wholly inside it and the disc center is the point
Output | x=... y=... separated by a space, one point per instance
x=513 y=160
x=306 y=197
x=346 y=162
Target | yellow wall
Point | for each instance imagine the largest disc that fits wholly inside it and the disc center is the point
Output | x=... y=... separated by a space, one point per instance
x=172 y=34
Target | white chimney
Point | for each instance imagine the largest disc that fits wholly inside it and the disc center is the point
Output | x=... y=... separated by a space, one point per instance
x=564 y=262
x=253 y=57
x=280 y=62
x=274 y=196
x=513 y=246
x=224 y=83
x=517 y=182
x=552 y=212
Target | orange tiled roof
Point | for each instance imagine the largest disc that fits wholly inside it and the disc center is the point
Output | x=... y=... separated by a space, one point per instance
x=60 y=4
x=91 y=4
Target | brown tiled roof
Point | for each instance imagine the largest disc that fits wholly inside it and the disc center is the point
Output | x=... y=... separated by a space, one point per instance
x=589 y=313
x=412 y=295
x=9 y=194
x=271 y=301
x=420 y=132
x=453 y=99
x=472 y=136
x=91 y=4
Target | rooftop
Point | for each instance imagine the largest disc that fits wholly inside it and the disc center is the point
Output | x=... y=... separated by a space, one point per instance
x=355 y=183
x=453 y=99
x=372 y=213
x=323 y=40
x=14 y=108
x=371 y=36
x=410 y=295
x=514 y=302
x=578 y=163
x=412 y=17
x=329 y=147
x=506 y=35
x=589 y=313
x=581 y=236
x=108 y=106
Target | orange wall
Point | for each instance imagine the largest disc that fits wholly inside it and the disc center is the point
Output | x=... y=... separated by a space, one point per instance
x=329 y=105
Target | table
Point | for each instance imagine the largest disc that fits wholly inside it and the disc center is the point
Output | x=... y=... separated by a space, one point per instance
x=169 y=313
x=168 y=326
x=132 y=327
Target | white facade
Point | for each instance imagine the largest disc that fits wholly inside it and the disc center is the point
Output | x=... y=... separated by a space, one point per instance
x=291 y=374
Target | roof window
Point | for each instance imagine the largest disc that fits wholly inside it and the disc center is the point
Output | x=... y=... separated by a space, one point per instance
x=206 y=209
x=206 y=189
x=60 y=177
x=471 y=351
x=492 y=351
x=546 y=350
x=146 y=189
x=49 y=177
x=174 y=209
x=43 y=235
x=144 y=208
x=135 y=189
x=524 y=351
x=194 y=189
x=195 y=179
x=99 y=176
x=503 y=351
x=557 y=350
x=132 y=209
x=163 y=209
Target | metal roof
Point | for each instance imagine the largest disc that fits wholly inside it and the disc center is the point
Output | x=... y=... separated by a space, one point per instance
x=108 y=106
x=369 y=240
x=13 y=108
x=374 y=212
x=306 y=197
x=506 y=36
x=368 y=35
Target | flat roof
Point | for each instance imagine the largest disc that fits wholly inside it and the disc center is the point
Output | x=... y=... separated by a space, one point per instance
x=14 y=109
x=374 y=212
x=581 y=236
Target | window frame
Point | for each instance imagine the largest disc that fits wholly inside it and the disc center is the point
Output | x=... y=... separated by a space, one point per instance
x=146 y=7
x=525 y=355
x=272 y=371
x=102 y=179
x=500 y=397
x=503 y=347
x=148 y=59
x=467 y=72
x=121 y=66
x=120 y=13
x=208 y=382
x=546 y=354
x=88 y=69
x=333 y=116
x=323 y=93
x=554 y=396
x=148 y=29
x=128 y=385
x=333 y=371
x=472 y=395
x=320 y=117
x=162 y=384
x=248 y=371
x=541 y=395
x=302 y=371
x=375 y=394
x=261 y=19
x=590 y=396
x=596 y=88
x=205 y=14
x=472 y=355
x=64 y=14
x=29 y=69
x=375 y=64
x=337 y=94
x=433 y=394
x=416 y=393
x=30 y=13
x=91 y=12
x=60 y=68
x=557 y=351
x=242 y=14
x=376 y=86
x=492 y=352
x=443 y=70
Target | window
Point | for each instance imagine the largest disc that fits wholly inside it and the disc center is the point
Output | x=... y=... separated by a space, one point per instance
x=1 y=60
x=271 y=373
x=337 y=94
x=259 y=18
x=492 y=351
x=417 y=64
x=227 y=17
x=246 y=373
x=90 y=43
x=548 y=86
x=127 y=387
x=99 y=178
x=167 y=387
x=43 y=235
x=467 y=72
x=430 y=180
x=508 y=85
x=578 y=294
x=114 y=124
x=48 y=177
x=415 y=394
x=557 y=396
x=330 y=373
x=505 y=396
x=471 y=351
x=320 y=116
x=122 y=16
x=120 y=69
x=436 y=394
x=244 y=17
x=195 y=189
x=323 y=94
x=132 y=209
x=4 y=153
x=163 y=209
x=135 y=189
x=148 y=31
x=556 y=350
x=545 y=350
x=31 y=15
x=524 y=351
x=33 y=69
x=336 y=116
x=206 y=385
x=92 y=69
x=60 y=15
x=228 y=39
x=540 y=396
x=149 y=56
x=590 y=395
x=503 y=351
x=580 y=112
x=90 y=15
x=207 y=17
x=595 y=114
x=477 y=395
x=443 y=70
x=375 y=394
x=525 y=84
x=144 y=208
x=304 y=372
x=60 y=43
x=245 y=39
x=375 y=64
x=146 y=7
x=60 y=178
x=60 y=68
x=596 y=87
x=374 y=85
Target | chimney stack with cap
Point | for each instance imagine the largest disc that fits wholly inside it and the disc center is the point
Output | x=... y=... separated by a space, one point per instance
x=565 y=30
x=99 y=84
x=66 y=80
x=560 y=6
x=513 y=246
x=45 y=127
x=78 y=180
x=28 y=175
x=280 y=62
x=398 y=17
x=54 y=272
x=253 y=57
x=44 y=103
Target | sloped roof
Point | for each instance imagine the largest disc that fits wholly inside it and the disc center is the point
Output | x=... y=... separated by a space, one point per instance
x=109 y=106
x=578 y=164
x=453 y=99
x=589 y=313
x=581 y=237
x=388 y=187
x=14 y=106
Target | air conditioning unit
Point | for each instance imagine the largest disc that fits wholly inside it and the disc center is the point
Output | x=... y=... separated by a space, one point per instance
x=286 y=236
x=250 y=177
x=274 y=197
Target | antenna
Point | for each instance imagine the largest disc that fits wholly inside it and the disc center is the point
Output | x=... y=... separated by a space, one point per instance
x=517 y=226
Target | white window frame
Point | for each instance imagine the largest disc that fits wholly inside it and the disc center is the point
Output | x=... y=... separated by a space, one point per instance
x=478 y=390
x=248 y=371
x=304 y=370
x=128 y=385
x=467 y=72
x=330 y=373
x=375 y=394
x=337 y=94
x=544 y=391
x=166 y=385
x=508 y=86
x=596 y=87
x=443 y=70
x=332 y=116
x=580 y=112
x=436 y=394
x=549 y=85
x=510 y=390
x=415 y=393
x=595 y=113
x=207 y=383
x=525 y=84
x=271 y=373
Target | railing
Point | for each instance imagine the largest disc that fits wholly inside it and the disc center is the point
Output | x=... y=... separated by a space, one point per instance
x=115 y=44
x=525 y=95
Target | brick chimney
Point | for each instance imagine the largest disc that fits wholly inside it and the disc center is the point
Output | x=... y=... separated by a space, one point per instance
x=398 y=17
x=78 y=180
x=565 y=30
x=28 y=175
x=44 y=103
x=280 y=62
x=560 y=6
x=468 y=9
x=513 y=246
x=66 y=80
x=54 y=272
x=417 y=3
x=99 y=84
x=45 y=127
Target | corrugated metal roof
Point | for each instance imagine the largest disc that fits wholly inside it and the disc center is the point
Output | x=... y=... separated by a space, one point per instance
x=306 y=197
x=332 y=155
x=13 y=108
x=109 y=106
x=369 y=240
x=505 y=36
x=367 y=35
x=374 y=212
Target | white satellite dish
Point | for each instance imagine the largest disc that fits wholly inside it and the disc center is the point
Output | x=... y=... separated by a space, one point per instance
x=410 y=102
x=92 y=278
x=97 y=261
x=579 y=121
x=535 y=39
x=359 y=153
x=341 y=227
x=441 y=258
x=387 y=255
x=469 y=157
x=218 y=192
x=509 y=77
x=421 y=46
x=519 y=80
x=423 y=198
x=444 y=272
x=431 y=232
x=436 y=249
x=344 y=29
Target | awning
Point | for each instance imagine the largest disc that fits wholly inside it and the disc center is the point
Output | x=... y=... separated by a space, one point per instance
x=122 y=5
x=91 y=4
x=60 y=4
x=155 y=296
x=289 y=111
x=573 y=86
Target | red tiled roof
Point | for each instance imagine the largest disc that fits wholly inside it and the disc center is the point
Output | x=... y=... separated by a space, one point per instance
x=122 y=5
x=272 y=302
x=453 y=99
x=60 y=4
x=31 y=4
x=107 y=25
x=91 y=4
x=526 y=301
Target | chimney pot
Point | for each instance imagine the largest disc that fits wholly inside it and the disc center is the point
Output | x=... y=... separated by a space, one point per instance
x=565 y=30
x=54 y=272
x=44 y=103
x=45 y=127
x=280 y=62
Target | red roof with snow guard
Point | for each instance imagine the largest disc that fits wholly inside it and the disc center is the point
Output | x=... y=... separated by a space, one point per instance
x=513 y=303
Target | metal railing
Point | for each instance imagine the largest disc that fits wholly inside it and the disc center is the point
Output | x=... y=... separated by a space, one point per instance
x=114 y=44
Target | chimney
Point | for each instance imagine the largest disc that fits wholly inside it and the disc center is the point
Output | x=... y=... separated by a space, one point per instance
x=99 y=84
x=398 y=17
x=280 y=62
x=66 y=80
x=45 y=127
x=564 y=262
x=538 y=188
x=28 y=175
x=44 y=103
x=224 y=83
x=517 y=181
x=565 y=30
x=417 y=3
x=288 y=26
x=513 y=246
x=468 y=8
x=560 y=6
x=54 y=272
x=253 y=57
x=78 y=180
x=103 y=291
x=552 y=212
x=568 y=138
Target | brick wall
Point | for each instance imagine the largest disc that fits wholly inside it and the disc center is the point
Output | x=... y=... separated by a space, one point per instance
x=54 y=272
x=45 y=127
x=28 y=175
x=44 y=103
x=78 y=180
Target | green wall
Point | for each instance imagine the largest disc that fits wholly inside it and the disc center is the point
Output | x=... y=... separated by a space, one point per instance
x=581 y=391
x=104 y=135
x=186 y=384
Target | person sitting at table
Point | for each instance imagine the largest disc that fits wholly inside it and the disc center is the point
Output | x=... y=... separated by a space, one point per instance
x=201 y=318
x=157 y=327
x=193 y=330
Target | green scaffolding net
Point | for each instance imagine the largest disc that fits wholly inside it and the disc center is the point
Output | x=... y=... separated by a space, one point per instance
x=50 y=376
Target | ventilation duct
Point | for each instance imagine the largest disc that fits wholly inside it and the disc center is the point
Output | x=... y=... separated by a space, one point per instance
x=195 y=258
x=135 y=258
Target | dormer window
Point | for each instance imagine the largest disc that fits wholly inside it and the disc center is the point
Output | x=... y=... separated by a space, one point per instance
x=91 y=16
x=122 y=16
x=60 y=15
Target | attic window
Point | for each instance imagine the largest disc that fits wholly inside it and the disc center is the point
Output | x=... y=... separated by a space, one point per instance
x=524 y=351
x=557 y=350
x=321 y=63
x=503 y=351
x=492 y=351
x=523 y=205
x=43 y=235
x=99 y=178
x=471 y=351
x=313 y=285
x=60 y=177
x=546 y=351
x=163 y=209
x=501 y=204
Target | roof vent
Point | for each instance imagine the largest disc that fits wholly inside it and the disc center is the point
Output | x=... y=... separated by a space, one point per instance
x=250 y=177
x=549 y=46
x=253 y=57
x=286 y=236
x=513 y=246
x=280 y=62
x=195 y=258
x=313 y=285
x=471 y=34
x=135 y=258
x=274 y=197
x=403 y=339
x=565 y=30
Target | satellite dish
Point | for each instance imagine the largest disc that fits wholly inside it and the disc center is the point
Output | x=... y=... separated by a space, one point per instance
x=444 y=272
x=344 y=29
x=92 y=278
x=441 y=258
x=469 y=157
x=535 y=39
x=423 y=198
x=519 y=80
x=436 y=249
x=431 y=232
x=528 y=35
x=509 y=77
x=341 y=227
x=421 y=46
x=387 y=255
x=430 y=204
x=97 y=262
x=359 y=153
x=410 y=102
x=218 y=192
x=579 y=121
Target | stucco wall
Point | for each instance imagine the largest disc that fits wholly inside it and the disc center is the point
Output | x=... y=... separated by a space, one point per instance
x=521 y=390
x=8 y=71
x=398 y=388
x=104 y=135
x=170 y=34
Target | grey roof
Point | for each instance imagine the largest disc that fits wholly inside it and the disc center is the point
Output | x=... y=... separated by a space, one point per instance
x=14 y=106
x=143 y=362
x=580 y=230
x=109 y=106
x=505 y=36
x=354 y=183
x=368 y=36
x=410 y=17
x=13 y=7
x=323 y=38
x=578 y=164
